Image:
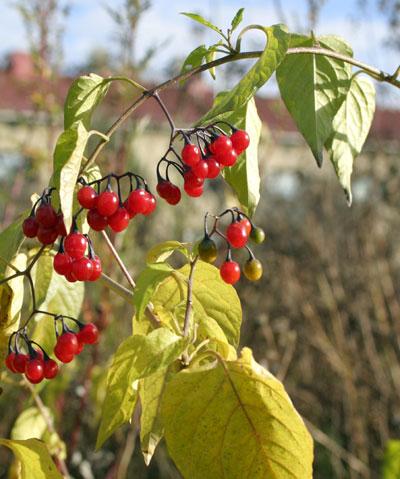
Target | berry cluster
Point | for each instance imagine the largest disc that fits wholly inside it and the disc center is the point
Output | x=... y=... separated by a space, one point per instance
x=35 y=363
x=206 y=152
x=44 y=223
x=236 y=236
x=107 y=208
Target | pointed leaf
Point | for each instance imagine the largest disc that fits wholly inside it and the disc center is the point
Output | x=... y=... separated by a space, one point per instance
x=237 y=19
x=163 y=251
x=202 y=21
x=351 y=126
x=313 y=88
x=11 y=239
x=194 y=59
x=233 y=419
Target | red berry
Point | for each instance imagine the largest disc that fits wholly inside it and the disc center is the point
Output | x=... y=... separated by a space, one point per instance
x=170 y=192
x=151 y=205
x=62 y=263
x=38 y=354
x=191 y=180
x=30 y=227
x=138 y=201
x=34 y=370
x=119 y=220
x=61 y=230
x=240 y=141
x=67 y=343
x=75 y=245
x=214 y=168
x=230 y=272
x=20 y=361
x=87 y=197
x=190 y=154
x=194 y=192
x=96 y=221
x=47 y=235
x=82 y=269
x=246 y=223
x=80 y=347
x=227 y=158
x=46 y=216
x=107 y=203
x=220 y=145
x=70 y=277
x=89 y=334
x=97 y=269
x=50 y=369
x=236 y=234
x=10 y=362
x=200 y=169
x=63 y=355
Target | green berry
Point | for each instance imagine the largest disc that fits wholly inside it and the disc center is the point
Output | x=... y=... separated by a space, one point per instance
x=253 y=269
x=208 y=250
x=257 y=235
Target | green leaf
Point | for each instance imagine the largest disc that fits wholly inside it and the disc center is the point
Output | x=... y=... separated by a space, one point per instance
x=391 y=460
x=11 y=239
x=36 y=462
x=233 y=419
x=146 y=284
x=67 y=162
x=313 y=87
x=29 y=424
x=216 y=305
x=85 y=93
x=163 y=251
x=255 y=78
x=237 y=19
x=210 y=57
x=137 y=357
x=203 y=21
x=350 y=129
x=244 y=176
x=194 y=59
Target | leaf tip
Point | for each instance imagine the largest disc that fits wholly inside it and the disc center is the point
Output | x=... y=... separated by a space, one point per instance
x=349 y=196
x=319 y=157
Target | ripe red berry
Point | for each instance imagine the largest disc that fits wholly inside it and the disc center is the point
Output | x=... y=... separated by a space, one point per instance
x=63 y=355
x=214 y=168
x=30 y=227
x=82 y=269
x=170 y=192
x=151 y=205
x=75 y=245
x=46 y=216
x=89 y=334
x=190 y=154
x=240 y=141
x=97 y=269
x=20 y=361
x=50 y=369
x=130 y=213
x=70 y=277
x=96 y=221
x=107 y=203
x=221 y=145
x=60 y=227
x=10 y=362
x=246 y=223
x=47 y=235
x=80 y=348
x=119 y=220
x=193 y=191
x=87 y=197
x=227 y=158
x=236 y=234
x=34 y=370
x=230 y=272
x=67 y=344
x=200 y=169
x=191 y=180
x=62 y=263
x=138 y=201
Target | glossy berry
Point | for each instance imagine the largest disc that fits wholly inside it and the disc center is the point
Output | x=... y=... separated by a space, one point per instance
x=60 y=227
x=87 y=197
x=46 y=216
x=220 y=145
x=47 y=235
x=230 y=272
x=75 y=245
x=20 y=361
x=62 y=263
x=193 y=191
x=126 y=206
x=208 y=250
x=151 y=205
x=10 y=362
x=200 y=169
x=89 y=334
x=253 y=269
x=119 y=220
x=96 y=221
x=170 y=192
x=190 y=154
x=30 y=227
x=240 y=141
x=257 y=235
x=70 y=277
x=236 y=234
x=80 y=348
x=138 y=201
x=67 y=343
x=50 y=369
x=246 y=223
x=191 y=180
x=214 y=168
x=82 y=269
x=107 y=203
x=97 y=269
x=227 y=158
x=63 y=355
x=34 y=370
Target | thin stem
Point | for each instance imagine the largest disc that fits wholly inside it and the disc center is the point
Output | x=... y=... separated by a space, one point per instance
x=166 y=112
x=9 y=278
x=124 y=293
x=189 y=300
x=117 y=257
x=10 y=265
x=35 y=259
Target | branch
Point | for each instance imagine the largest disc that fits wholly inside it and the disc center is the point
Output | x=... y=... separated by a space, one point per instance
x=189 y=300
x=117 y=257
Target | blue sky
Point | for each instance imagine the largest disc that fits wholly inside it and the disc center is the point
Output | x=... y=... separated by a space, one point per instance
x=89 y=27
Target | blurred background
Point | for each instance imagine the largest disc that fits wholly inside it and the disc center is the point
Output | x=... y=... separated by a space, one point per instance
x=325 y=319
